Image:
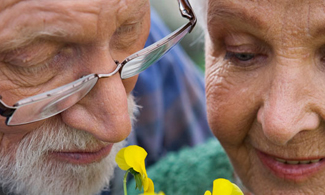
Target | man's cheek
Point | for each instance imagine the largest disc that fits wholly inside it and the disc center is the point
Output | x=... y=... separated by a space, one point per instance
x=1 y=138
x=130 y=83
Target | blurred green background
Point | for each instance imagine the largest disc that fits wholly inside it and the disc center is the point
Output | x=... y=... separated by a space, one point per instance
x=193 y=43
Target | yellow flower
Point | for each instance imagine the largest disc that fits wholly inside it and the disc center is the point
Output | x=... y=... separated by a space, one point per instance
x=224 y=187
x=153 y=193
x=132 y=158
x=207 y=192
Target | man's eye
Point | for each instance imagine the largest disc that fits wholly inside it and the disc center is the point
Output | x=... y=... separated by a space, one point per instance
x=126 y=29
x=125 y=36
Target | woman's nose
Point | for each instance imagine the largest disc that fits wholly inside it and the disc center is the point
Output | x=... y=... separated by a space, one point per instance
x=288 y=106
x=104 y=111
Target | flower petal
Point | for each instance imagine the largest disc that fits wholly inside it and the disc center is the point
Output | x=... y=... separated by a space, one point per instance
x=236 y=190
x=153 y=193
x=207 y=192
x=120 y=160
x=150 y=187
x=225 y=187
x=134 y=157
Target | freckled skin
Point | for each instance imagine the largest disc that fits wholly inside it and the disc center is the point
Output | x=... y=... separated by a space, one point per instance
x=76 y=38
x=273 y=102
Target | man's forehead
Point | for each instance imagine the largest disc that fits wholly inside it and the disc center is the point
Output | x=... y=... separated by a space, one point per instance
x=50 y=17
x=117 y=8
x=132 y=8
x=5 y=4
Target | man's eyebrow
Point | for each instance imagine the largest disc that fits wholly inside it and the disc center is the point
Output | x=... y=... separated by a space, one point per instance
x=226 y=12
x=21 y=41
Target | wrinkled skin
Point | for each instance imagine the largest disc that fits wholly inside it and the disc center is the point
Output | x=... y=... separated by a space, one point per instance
x=265 y=79
x=46 y=44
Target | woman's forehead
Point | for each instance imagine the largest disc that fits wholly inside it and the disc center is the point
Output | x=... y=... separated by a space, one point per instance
x=290 y=17
x=265 y=2
x=255 y=6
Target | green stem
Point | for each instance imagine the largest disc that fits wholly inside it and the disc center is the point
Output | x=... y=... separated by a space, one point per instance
x=124 y=182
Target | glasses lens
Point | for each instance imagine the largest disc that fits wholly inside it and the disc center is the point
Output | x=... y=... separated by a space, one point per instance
x=48 y=104
x=141 y=60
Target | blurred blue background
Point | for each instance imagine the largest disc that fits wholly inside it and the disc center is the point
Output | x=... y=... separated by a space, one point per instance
x=193 y=43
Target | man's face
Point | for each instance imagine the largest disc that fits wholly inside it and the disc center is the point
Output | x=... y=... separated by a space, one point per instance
x=265 y=79
x=47 y=44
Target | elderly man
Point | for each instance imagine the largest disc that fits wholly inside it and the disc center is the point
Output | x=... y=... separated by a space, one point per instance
x=61 y=69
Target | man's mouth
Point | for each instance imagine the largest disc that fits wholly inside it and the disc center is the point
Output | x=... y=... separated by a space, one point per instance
x=82 y=157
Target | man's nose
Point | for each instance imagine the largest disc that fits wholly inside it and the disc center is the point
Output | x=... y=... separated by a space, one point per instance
x=288 y=107
x=103 y=112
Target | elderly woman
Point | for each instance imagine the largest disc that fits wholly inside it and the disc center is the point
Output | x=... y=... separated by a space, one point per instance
x=265 y=79
x=265 y=74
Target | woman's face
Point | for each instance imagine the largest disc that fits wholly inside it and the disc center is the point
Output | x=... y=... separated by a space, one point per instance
x=265 y=86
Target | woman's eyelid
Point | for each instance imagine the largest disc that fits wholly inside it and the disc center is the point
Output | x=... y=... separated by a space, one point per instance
x=243 y=42
x=234 y=38
x=256 y=49
x=246 y=54
x=247 y=48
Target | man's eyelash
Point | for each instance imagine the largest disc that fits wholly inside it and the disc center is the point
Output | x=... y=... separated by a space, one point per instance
x=33 y=70
x=125 y=29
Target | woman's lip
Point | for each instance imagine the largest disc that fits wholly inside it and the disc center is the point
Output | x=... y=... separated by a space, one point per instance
x=292 y=172
x=82 y=157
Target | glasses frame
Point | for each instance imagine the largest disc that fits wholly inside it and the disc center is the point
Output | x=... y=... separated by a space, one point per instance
x=185 y=10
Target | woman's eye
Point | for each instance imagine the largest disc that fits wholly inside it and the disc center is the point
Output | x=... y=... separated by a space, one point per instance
x=244 y=56
x=246 y=59
x=240 y=56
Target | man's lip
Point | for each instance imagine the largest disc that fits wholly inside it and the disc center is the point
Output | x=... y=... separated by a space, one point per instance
x=290 y=169
x=82 y=157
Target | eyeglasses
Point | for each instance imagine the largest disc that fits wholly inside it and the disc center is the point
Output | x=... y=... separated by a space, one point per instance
x=55 y=101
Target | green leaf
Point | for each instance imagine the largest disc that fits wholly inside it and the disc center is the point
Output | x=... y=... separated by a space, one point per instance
x=133 y=172
x=138 y=181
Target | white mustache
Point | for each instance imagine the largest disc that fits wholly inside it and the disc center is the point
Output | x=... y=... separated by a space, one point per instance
x=27 y=169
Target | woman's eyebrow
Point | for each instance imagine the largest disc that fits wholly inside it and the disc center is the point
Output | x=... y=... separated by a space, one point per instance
x=223 y=12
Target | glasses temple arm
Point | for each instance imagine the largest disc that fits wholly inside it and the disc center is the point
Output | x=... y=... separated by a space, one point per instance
x=5 y=110
x=187 y=12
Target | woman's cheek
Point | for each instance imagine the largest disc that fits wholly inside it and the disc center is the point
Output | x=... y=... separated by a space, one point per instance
x=1 y=138
x=230 y=111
